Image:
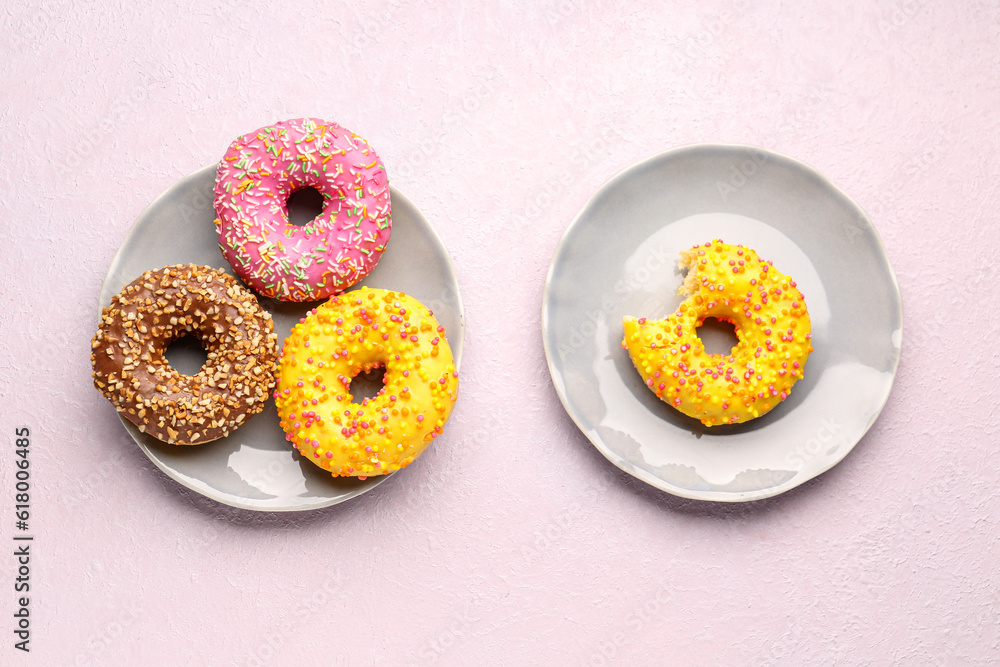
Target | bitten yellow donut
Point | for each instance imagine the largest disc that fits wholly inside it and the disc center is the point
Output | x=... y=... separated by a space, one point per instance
x=353 y=333
x=730 y=283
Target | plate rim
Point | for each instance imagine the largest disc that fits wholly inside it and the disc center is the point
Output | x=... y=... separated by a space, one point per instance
x=644 y=475
x=248 y=504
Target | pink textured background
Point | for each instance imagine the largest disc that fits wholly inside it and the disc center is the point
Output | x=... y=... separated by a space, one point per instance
x=512 y=541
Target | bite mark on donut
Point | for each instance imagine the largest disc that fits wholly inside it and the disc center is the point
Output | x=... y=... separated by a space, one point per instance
x=687 y=262
x=728 y=282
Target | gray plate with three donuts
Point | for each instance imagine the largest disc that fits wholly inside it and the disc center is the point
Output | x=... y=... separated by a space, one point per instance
x=255 y=467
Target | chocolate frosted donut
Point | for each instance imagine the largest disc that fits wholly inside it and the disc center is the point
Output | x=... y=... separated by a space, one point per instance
x=161 y=306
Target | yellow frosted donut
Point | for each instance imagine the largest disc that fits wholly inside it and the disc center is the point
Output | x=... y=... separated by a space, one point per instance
x=353 y=333
x=730 y=283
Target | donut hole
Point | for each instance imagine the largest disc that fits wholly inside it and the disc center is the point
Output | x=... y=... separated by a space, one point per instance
x=304 y=206
x=368 y=385
x=186 y=355
x=718 y=336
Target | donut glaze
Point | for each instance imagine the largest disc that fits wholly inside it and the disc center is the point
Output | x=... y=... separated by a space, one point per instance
x=332 y=252
x=354 y=333
x=160 y=306
x=730 y=283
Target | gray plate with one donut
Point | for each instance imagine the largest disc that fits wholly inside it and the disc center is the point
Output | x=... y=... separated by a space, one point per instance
x=619 y=257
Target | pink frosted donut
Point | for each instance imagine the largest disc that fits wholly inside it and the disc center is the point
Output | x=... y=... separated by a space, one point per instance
x=332 y=252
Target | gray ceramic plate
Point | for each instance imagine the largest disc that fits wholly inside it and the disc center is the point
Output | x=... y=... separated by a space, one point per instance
x=255 y=467
x=619 y=257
